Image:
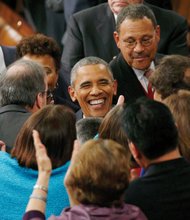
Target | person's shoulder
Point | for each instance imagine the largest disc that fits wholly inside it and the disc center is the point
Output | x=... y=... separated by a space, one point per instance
x=115 y=59
x=79 y=114
x=165 y=13
x=135 y=211
x=4 y=155
x=91 y=11
x=74 y=213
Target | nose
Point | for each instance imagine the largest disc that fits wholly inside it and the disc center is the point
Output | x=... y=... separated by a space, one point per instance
x=138 y=47
x=95 y=91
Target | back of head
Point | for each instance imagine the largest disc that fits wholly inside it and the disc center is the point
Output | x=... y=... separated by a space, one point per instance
x=21 y=83
x=87 y=128
x=150 y=126
x=101 y=175
x=179 y=104
x=111 y=126
x=172 y=74
x=56 y=126
x=88 y=61
x=135 y=12
x=40 y=45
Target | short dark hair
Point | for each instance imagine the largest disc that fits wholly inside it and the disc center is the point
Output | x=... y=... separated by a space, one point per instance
x=21 y=82
x=87 y=128
x=150 y=126
x=135 y=12
x=88 y=61
x=56 y=126
x=40 y=44
x=169 y=75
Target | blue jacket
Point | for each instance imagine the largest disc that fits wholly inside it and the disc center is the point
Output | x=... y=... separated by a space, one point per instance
x=16 y=185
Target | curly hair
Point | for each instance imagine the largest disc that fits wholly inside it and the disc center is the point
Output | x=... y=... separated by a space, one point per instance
x=170 y=75
x=40 y=44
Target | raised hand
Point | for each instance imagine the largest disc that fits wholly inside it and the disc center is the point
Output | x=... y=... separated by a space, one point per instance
x=43 y=161
x=121 y=100
x=2 y=146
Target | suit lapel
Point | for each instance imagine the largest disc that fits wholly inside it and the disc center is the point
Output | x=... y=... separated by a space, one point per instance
x=103 y=27
x=130 y=82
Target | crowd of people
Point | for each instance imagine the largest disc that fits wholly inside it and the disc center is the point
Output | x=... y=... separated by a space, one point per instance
x=100 y=128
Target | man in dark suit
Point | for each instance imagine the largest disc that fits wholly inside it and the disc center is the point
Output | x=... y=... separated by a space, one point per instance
x=137 y=36
x=23 y=90
x=90 y=33
x=163 y=192
x=93 y=87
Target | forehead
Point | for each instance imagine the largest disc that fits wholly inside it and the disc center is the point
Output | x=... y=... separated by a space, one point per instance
x=92 y=72
x=139 y=27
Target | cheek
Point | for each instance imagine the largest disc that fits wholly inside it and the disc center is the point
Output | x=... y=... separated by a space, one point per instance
x=52 y=81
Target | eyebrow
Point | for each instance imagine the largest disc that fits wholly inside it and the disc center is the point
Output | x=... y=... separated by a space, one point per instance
x=85 y=83
x=47 y=69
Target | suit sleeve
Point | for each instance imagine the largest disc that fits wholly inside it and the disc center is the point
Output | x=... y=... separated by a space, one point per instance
x=178 y=40
x=73 y=45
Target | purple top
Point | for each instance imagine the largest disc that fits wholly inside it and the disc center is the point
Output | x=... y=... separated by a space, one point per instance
x=89 y=212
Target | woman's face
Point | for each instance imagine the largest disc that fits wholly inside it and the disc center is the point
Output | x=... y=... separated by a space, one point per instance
x=48 y=63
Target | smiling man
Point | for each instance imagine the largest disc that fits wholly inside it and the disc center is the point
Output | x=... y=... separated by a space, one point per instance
x=93 y=86
x=137 y=36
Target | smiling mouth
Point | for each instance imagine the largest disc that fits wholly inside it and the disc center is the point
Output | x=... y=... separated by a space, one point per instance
x=97 y=102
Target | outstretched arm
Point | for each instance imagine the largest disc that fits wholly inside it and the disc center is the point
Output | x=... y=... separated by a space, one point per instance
x=39 y=195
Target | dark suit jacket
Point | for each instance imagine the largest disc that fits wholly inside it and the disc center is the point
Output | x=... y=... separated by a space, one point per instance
x=12 y=117
x=74 y=6
x=79 y=115
x=163 y=193
x=90 y=33
x=9 y=54
x=128 y=83
x=161 y=3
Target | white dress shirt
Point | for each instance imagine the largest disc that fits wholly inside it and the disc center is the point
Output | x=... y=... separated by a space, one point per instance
x=140 y=75
x=2 y=61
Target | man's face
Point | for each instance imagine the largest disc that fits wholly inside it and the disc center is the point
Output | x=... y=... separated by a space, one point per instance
x=138 y=41
x=117 y=5
x=94 y=89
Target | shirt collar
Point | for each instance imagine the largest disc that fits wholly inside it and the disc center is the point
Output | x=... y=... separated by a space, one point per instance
x=140 y=73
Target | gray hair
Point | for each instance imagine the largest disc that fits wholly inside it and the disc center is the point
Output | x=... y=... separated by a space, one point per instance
x=135 y=12
x=88 y=61
x=87 y=128
x=21 y=82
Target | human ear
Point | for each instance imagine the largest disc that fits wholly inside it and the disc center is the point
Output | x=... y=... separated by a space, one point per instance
x=71 y=91
x=116 y=38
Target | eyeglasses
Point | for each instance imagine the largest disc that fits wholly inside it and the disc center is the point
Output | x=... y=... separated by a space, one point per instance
x=145 y=42
x=49 y=95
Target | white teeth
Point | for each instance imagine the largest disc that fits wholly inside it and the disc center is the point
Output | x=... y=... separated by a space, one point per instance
x=96 y=102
